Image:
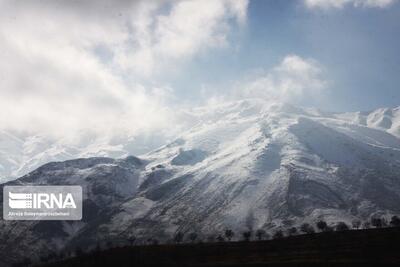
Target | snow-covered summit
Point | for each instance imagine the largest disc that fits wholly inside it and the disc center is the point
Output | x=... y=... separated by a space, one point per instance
x=242 y=165
x=22 y=153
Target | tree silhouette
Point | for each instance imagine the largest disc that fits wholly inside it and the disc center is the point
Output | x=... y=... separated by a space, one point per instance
x=384 y=222
x=366 y=225
x=307 y=228
x=229 y=234
x=109 y=244
x=220 y=238
x=25 y=262
x=210 y=238
x=98 y=247
x=376 y=222
x=322 y=225
x=132 y=239
x=329 y=229
x=356 y=224
x=178 y=237
x=395 y=221
x=260 y=233
x=342 y=226
x=78 y=252
x=192 y=237
x=278 y=234
x=292 y=231
x=247 y=235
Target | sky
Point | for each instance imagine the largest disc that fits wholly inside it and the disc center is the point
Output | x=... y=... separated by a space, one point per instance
x=87 y=68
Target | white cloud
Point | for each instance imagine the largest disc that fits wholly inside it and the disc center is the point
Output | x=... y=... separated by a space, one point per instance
x=328 y=4
x=293 y=80
x=189 y=28
x=64 y=62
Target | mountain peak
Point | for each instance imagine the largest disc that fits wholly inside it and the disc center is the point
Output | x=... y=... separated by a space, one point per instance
x=248 y=164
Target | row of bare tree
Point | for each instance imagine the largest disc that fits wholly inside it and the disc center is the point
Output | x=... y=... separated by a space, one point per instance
x=229 y=235
x=305 y=228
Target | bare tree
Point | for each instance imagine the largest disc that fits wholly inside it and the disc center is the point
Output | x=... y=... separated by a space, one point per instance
x=178 y=238
x=109 y=244
x=341 y=226
x=132 y=239
x=384 y=222
x=322 y=225
x=220 y=238
x=356 y=224
x=192 y=237
x=307 y=228
x=229 y=234
x=292 y=231
x=98 y=247
x=366 y=225
x=376 y=222
x=260 y=233
x=247 y=235
x=278 y=235
x=395 y=221
x=211 y=238
x=79 y=252
x=25 y=262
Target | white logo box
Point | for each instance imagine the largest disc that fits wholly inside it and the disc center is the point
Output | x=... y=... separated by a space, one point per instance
x=42 y=203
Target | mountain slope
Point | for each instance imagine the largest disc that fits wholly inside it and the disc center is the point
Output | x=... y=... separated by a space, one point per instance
x=244 y=165
x=22 y=153
x=105 y=182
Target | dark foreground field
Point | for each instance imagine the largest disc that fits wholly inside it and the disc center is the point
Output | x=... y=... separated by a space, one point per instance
x=373 y=247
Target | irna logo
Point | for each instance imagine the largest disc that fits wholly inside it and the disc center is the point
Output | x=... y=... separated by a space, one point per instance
x=42 y=202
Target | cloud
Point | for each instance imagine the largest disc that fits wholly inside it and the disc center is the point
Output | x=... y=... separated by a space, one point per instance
x=293 y=80
x=329 y=4
x=189 y=28
x=65 y=64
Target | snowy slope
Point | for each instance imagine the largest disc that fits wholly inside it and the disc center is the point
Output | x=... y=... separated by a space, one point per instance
x=244 y=165
x=23 y=153
x=106 y=183
x=385 y=119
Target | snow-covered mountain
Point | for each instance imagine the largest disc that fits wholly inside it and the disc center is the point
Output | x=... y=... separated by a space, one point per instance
x=23 y=153
x=244 y=165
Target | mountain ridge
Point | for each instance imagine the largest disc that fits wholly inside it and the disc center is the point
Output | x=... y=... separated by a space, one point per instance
x=243 y=165
x=22 y=153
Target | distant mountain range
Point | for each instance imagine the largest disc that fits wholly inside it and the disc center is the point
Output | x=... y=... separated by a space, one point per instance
x=244 y=165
